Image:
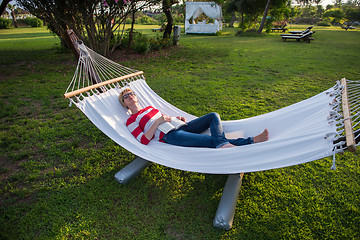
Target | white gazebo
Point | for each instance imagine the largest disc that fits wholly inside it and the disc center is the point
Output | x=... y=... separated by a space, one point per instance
x=210 y=9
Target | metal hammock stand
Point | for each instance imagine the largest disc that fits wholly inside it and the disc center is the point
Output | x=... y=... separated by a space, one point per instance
x=96 y=74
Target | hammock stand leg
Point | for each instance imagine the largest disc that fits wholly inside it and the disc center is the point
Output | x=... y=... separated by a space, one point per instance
x=226 y=209
x=131 y=170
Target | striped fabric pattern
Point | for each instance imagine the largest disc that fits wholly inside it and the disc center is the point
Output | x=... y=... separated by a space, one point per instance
x=140 y=122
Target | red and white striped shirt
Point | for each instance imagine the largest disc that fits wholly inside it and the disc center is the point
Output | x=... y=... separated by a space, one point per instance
x=140 y=122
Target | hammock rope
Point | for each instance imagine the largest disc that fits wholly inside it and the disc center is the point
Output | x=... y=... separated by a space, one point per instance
x=337 y=117
x=95 y=74
x=309 y=130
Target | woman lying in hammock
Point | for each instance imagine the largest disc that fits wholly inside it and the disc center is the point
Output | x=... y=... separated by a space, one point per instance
x=144 y=124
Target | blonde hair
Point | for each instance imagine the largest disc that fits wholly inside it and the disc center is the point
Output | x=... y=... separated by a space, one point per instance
x=121 y=100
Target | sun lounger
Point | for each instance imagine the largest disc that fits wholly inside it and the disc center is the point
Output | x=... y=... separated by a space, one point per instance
x=346 y=27
x=298 y=37
x=301 y=32
x=159 y=29
x=280 y=27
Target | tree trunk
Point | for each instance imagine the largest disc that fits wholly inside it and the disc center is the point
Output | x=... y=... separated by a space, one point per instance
x=131 y=31
x=264 y=17
x=14 y=18
x=108 y=36
x=92 y=33
x=65 y=37
x=232 y=20
x=121 y=37
x=170 y=21
x=3 y=6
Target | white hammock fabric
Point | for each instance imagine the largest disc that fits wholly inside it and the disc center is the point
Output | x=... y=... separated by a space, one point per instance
x=299 y=133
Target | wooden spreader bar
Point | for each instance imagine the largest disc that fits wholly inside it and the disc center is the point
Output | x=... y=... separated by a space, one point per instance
x=349 y=133
x=85 y=89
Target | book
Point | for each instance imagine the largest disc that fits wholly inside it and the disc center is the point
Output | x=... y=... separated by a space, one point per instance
x=173 y=125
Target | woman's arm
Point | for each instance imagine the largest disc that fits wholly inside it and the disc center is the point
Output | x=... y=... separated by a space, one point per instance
x=150 y=133
x=138 y=133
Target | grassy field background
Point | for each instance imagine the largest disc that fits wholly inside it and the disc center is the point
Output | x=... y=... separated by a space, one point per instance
x=57 y=169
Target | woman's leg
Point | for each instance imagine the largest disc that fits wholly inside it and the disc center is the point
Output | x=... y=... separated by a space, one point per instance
x=262 y=137
x=188 y=139
x=190 y=134
x=212 y=121
x=241 y=141
x=201 y=124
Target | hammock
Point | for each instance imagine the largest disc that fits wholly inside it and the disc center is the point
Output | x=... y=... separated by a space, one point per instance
x=305 y=131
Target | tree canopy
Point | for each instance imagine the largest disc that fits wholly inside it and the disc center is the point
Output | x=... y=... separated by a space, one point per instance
x=96 y=22
x=251 y=10
x=351 y=14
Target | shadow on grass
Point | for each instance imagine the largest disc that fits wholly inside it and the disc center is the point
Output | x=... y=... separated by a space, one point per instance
x=17 y=36
x=180 y=206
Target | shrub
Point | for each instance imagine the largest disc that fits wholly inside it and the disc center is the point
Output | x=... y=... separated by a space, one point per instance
x=155 y=43
x=179 y=19
x=252 y=30
x=128 y=20
x=268 y=25
x=140 y=43
x=143 y=44
x=5 y=23
x=161 y=19
x=167 y=42
x=323 y=23
x=307 y=20
x=33 y=21
x=146 y=20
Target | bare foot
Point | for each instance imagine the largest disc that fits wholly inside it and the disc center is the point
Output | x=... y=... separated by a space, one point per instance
x=228 y=145
x=262 y=137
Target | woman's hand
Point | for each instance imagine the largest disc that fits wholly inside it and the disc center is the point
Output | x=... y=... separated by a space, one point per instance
x=150 y=133
x=181 y=118
x=165 y=118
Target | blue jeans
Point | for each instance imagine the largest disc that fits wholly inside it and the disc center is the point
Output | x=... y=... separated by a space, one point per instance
x=190 y=134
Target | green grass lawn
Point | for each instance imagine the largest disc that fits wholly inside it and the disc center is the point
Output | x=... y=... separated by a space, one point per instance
x=57 y=169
